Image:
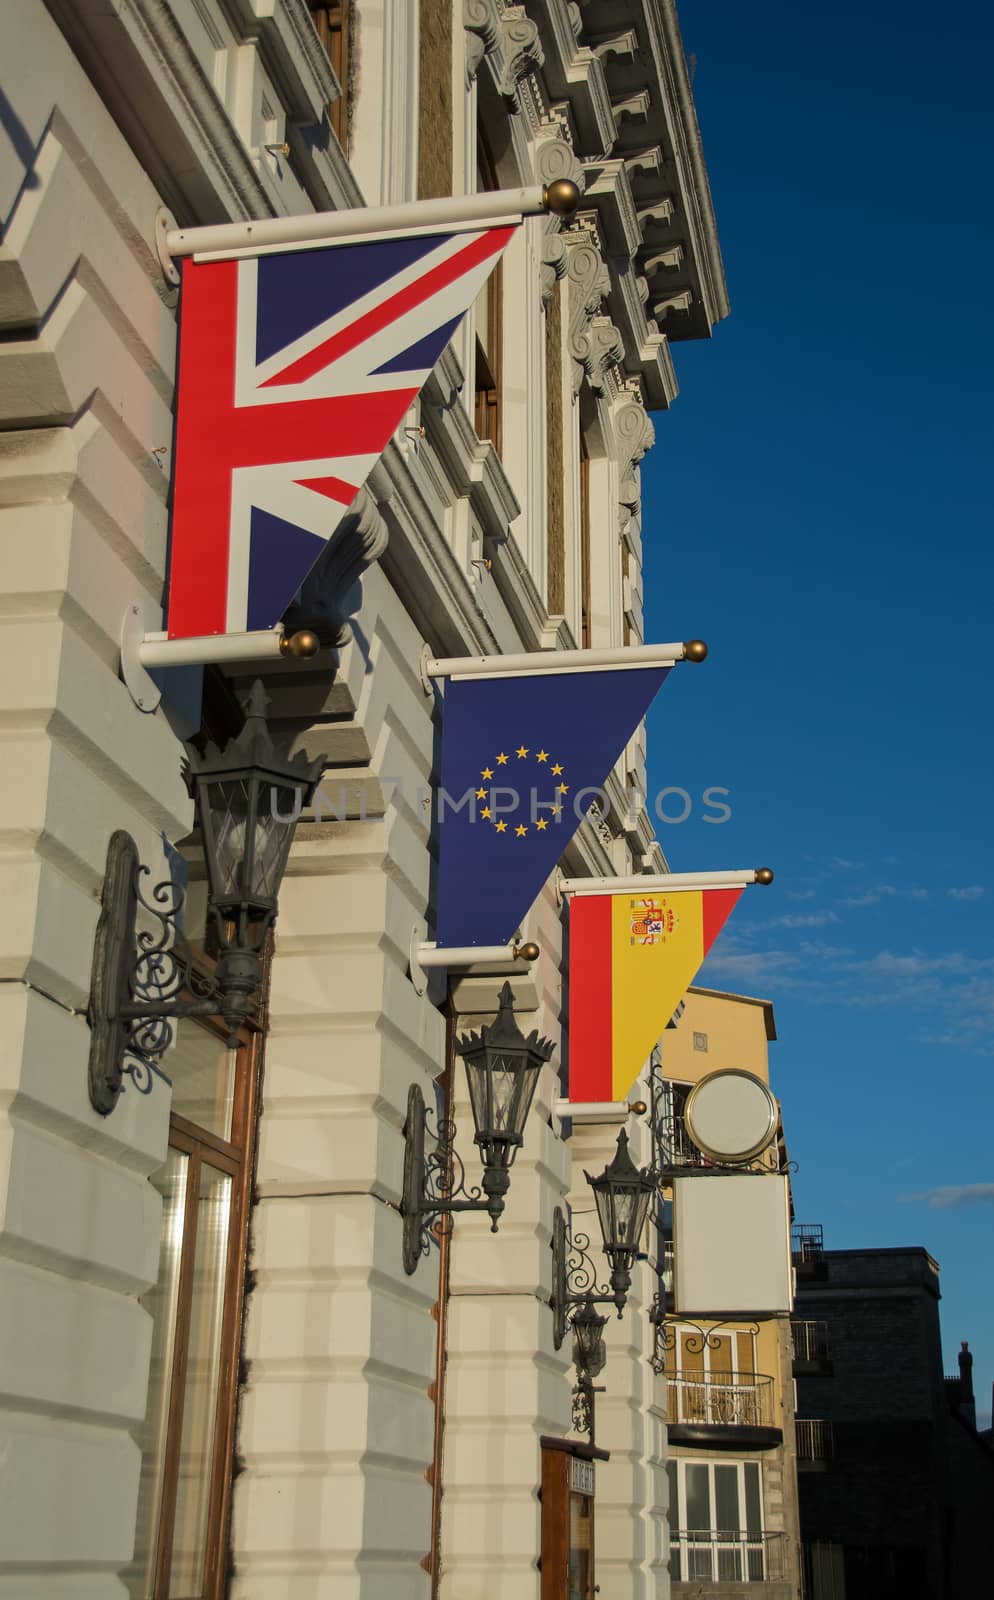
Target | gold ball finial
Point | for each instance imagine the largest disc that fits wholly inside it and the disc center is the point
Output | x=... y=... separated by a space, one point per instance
x=301 y=645
x=764 y=874
x=695 y=650
x=526 y=952
x=561 y=197
x=638 y=1108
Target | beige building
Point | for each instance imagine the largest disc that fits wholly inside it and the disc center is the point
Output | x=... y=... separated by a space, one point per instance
x=216 y=1377
x=732 y=1455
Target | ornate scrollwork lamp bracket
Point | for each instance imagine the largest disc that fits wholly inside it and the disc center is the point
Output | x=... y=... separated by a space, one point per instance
x=574 y=1278
x=435 y=1184
x=138 y=978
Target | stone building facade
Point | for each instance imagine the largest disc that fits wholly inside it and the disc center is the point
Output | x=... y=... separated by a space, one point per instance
x=729 y=1379
x=896 y=1485
x=215 y=1376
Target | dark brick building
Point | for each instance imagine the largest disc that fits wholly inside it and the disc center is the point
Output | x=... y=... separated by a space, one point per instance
x=896 y=1487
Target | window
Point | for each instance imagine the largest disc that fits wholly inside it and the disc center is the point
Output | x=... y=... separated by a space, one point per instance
x=716 y=1524
x=585 y=584
x=196 y=1306
x=713 y=1380
x=334 y=28
x=489 y=328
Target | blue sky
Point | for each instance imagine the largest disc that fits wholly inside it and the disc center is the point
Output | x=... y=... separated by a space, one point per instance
x=818 y=508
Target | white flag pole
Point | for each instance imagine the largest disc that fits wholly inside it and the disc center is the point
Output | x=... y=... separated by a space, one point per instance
x=542 y=663
x=666 y=882
x=499 y=206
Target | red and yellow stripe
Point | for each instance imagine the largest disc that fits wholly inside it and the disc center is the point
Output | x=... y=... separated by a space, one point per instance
x=631 y=961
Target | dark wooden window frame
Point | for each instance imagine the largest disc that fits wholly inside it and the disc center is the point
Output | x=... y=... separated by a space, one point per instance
x=488 y=378
x=235 y=1156
x=333 y=24
x=586 y=600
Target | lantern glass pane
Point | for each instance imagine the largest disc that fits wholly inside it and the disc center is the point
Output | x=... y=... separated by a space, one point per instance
x=228 y=801
x=274 y=830
x=478 y=1079
x=624 y=1216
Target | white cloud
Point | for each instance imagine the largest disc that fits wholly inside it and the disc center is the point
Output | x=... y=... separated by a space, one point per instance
x=943 y=1199
x=811 y=919
x=870 y=897
x=800 y=894
x=971 y=891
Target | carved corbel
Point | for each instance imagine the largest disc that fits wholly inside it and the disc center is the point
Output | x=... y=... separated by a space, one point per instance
x=634 y=434
x=620 y=45
x=509 y=35
x=602 y=347
x=636 y=106
x=660 y=213
x=667 y=259
x=677 y=304
x=331 y=593
x=589 y=281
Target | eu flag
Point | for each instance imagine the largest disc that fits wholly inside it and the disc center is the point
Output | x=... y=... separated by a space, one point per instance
x=522 y=762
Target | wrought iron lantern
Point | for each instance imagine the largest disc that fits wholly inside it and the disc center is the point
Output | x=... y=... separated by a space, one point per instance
x=589 y=1357
x=502 y=1070
x=622 y=1193
x=589 y=1353
x=247 y=801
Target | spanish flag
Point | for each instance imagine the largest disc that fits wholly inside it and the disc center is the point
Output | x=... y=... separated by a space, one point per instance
x=632 y=958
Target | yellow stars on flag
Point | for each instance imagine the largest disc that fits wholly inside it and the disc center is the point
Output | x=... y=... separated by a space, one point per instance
x=522 y=800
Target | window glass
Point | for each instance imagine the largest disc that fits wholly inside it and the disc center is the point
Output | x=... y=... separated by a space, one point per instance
x=698 y=1495
x=200 y=1389
x=753 y=1508
x=581 y=1550
x=202 y=1069
x=726 y=1499
x=160 y=1303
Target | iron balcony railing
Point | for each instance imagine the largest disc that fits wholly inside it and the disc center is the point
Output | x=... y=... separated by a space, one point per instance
x=814 y=1439
x=810 y=1341
x=733 y=1399
x=676 y=1148
x=807 y=1241
x=715 y=1557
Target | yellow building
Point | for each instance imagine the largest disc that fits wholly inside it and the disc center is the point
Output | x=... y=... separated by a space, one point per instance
x=729 y=1387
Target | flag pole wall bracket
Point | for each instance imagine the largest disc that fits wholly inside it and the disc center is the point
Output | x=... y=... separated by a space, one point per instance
x=165 y=223
x=142 y=650
x=663 y=882
x=425 y=956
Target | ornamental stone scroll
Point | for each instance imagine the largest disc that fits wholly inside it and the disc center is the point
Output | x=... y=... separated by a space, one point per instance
x=508 y=34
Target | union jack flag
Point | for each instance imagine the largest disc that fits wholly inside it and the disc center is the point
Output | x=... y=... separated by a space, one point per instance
x=295 y=368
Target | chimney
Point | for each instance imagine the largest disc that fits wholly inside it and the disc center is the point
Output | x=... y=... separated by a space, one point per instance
x=965 y=1372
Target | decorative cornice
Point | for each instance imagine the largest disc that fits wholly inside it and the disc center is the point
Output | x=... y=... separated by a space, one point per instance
x=173 y=119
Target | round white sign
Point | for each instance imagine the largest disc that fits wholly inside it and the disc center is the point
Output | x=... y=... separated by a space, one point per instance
x=731 y=1115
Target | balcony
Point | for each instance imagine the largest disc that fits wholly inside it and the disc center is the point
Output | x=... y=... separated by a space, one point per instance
x=708 y=1559
x=810 y=1342
x=814 y=1444
x=807 y=1250
x=731 y=1411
